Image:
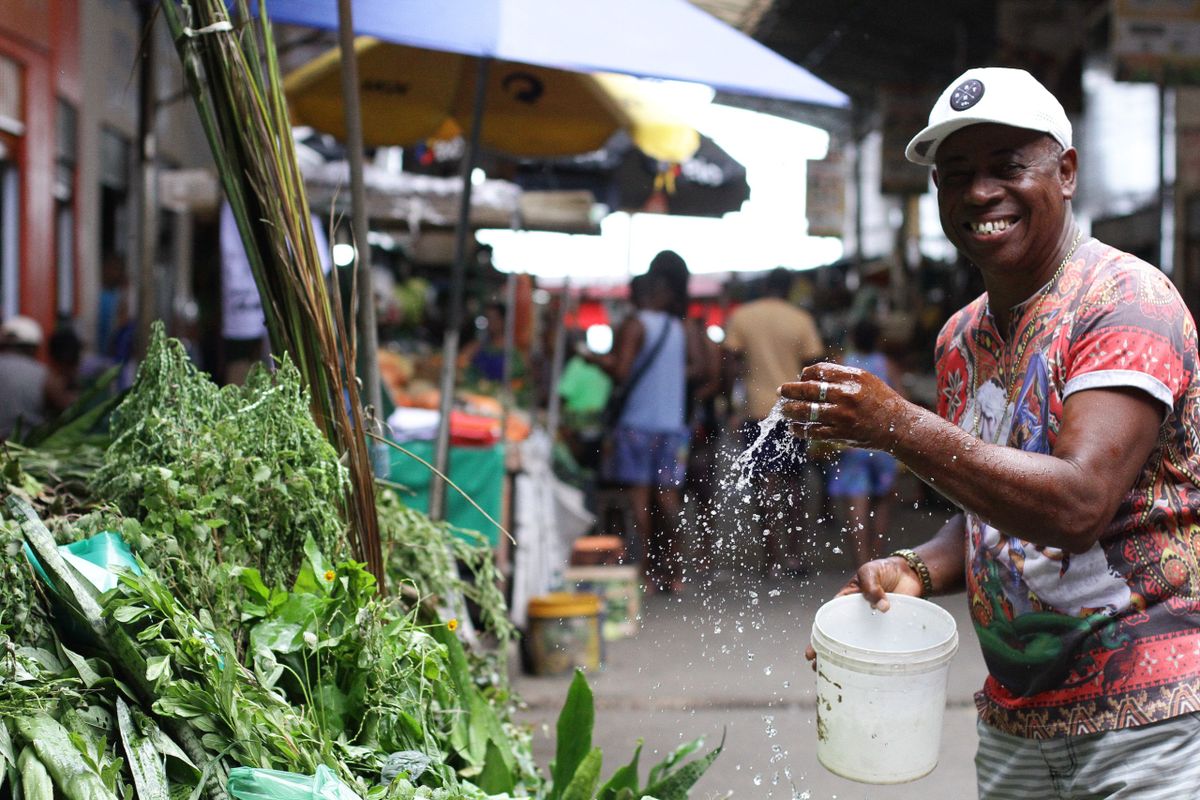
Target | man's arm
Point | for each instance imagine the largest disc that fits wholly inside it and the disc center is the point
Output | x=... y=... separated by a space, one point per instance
x=1065 y=499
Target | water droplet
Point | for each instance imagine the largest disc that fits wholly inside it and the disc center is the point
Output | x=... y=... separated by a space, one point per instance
x=758 y=779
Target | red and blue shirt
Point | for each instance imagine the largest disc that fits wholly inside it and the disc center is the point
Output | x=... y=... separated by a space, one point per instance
x=1079 y=643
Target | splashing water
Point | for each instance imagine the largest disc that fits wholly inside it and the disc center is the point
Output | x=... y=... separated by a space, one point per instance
x=744 y=465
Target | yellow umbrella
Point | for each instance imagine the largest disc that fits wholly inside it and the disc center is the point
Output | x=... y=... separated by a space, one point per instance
x=410 y=95
x=657 y=128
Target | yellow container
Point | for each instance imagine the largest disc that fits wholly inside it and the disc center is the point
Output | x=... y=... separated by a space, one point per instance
x=564 y=633
x=621 y=590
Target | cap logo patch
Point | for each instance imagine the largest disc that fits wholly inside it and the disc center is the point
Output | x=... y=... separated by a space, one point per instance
x=966 y=94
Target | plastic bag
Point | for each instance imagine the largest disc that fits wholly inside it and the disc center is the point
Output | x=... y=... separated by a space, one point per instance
x=96 y=558
x=247 y=783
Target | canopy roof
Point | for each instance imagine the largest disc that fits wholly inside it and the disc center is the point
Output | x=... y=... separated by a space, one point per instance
x=667 y=39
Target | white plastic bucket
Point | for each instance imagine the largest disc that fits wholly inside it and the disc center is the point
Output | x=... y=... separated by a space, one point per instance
x=881 y=686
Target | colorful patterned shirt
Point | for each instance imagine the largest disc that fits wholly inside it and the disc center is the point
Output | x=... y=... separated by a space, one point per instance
x=1079 y=643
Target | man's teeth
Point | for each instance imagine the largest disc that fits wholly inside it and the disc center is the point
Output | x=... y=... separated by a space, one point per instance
x=990 y=227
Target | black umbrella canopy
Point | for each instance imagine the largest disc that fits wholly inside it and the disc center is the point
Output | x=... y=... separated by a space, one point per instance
x=709 y=184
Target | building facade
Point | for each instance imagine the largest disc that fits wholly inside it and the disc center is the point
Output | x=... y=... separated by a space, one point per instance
x=70 y=177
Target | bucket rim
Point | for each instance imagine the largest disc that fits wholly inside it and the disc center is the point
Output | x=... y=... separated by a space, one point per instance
x=940 y=650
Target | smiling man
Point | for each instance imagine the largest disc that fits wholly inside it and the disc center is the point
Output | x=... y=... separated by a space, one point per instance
x=1067 y=434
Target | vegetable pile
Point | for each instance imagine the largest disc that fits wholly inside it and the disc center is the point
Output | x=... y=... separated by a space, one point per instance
x=235 y=637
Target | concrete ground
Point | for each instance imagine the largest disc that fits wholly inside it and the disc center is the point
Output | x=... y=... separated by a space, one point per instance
x=726 y=657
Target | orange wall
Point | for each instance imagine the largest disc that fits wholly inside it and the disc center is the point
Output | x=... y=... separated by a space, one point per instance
x=43 y=36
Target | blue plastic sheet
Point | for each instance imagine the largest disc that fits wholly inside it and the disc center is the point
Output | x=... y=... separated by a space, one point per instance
x=97 y=559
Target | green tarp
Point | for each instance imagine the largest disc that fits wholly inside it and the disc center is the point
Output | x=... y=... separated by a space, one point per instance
x=478 y=471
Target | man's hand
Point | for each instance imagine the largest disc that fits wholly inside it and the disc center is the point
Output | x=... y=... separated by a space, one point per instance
x=874 y=580
x=846 y=405
x=943 y=556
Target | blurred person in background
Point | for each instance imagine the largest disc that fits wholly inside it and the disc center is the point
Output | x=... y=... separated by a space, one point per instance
x=584 y=388
x=646 y=452
x=65 y=378
x=704 y=385
x=482 y=357
x=768 y=342
x=244 y=339
x=23 y=379
x=114 y=318
x=861 y=481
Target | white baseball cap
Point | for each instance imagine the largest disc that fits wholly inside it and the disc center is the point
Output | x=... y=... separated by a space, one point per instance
x=20 y=330
x=998 y=95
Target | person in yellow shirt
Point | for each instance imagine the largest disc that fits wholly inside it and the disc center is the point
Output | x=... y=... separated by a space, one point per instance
x=768 y=342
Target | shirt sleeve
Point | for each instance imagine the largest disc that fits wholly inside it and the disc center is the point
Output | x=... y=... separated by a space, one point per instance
x=1131 y=329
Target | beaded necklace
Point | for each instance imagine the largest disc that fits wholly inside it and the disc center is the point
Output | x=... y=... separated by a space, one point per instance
x=1010 y=374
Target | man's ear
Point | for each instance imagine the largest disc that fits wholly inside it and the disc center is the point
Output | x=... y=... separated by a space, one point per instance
x=935 y=178
x=1068 y=169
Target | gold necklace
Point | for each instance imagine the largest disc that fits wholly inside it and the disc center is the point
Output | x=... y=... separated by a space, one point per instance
x=1010 y=376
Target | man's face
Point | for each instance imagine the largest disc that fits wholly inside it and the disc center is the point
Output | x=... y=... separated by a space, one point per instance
x=1002 y=196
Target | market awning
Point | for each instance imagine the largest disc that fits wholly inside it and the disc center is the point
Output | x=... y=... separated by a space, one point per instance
x=668 y=39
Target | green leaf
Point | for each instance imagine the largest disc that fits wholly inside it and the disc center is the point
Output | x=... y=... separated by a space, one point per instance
x=677 y=785
x=331 y=708
x=625 y=777
x=88 y=675
x=676 y=756
x=129 y=614
x=35 y=780
x=145 y=764
x=261 y=474
x=252 y=580
x=311 y=577
x=6 y=746
x=583 y=783
x=156 y=667
x=151 y=633
x=65 y=762
x=574 y=733
x=496 y=777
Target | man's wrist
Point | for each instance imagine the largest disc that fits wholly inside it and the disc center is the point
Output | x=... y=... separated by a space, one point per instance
x=919 y=567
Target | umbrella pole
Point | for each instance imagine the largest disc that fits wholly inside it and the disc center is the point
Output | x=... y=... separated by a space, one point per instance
x=441 y=457
x=368 y=334
x=510 y=346
x=554 y=402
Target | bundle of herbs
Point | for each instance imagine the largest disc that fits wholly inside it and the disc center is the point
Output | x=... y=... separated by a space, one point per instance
x=232 y=73
x=335 y=676
x=221 y=478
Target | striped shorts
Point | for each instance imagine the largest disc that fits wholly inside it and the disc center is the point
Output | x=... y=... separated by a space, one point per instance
x=1155 y=761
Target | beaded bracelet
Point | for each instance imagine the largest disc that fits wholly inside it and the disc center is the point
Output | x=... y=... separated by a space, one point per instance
x=918 y=566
